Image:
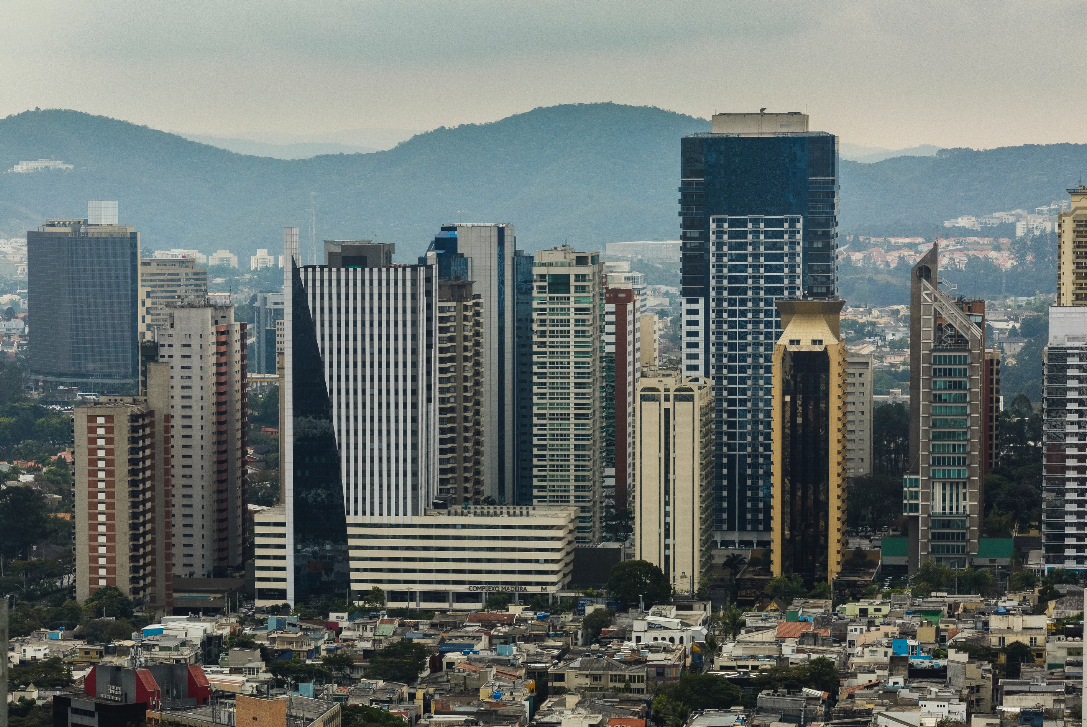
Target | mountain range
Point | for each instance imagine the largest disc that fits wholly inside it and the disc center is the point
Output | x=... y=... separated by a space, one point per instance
x=586 y=174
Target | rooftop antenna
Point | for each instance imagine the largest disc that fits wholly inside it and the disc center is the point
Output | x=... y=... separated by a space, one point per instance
x=313 y=224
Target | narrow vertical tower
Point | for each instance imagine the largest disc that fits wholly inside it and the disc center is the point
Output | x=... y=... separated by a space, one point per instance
x=809 y=442
x=954 y=381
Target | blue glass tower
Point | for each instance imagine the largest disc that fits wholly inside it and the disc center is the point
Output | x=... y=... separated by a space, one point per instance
x=758 y=204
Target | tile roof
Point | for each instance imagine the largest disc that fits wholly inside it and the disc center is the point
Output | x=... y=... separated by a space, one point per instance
x=492 y=618
x=793 y=629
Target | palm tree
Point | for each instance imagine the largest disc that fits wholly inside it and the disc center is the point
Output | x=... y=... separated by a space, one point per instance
x=734 y=563
x=730 y=621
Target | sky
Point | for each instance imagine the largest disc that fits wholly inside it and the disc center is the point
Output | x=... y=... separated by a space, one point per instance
x=882 y=73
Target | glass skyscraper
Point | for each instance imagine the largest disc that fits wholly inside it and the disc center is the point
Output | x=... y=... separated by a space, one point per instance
x=758 y=209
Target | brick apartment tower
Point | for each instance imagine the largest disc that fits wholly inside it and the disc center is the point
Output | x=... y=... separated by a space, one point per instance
x=123 y=494
x=621 y=368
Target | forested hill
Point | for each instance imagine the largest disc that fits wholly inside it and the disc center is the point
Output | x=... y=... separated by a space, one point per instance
x=586 y=173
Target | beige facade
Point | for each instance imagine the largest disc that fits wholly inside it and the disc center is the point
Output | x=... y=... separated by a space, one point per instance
x=455 y=558
x=270 y=551
x=1072 y=251
x=673 y=511
x=567 y=377
x=858 y=414
x=122 y=494
x=205 y=349
x=165 y=282
x=809 y=441
x=761 y=124
x=649 y=344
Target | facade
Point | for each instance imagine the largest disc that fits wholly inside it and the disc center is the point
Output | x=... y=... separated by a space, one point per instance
x=1064 y=483
x=164 y=282
x=622 y=344
x=83 y=293
x=858 y=414
x=123 y=493
x=522 y=364
x=649 y=341
x=1071 y=249
x=270 y=555
x=263 y=260
x=809 y=442
x=223 y=258
x=758 y=210
x=673 y=497
x=460 y=394
x=522 y=550
x=567 y=328
x=360 y=424
x=954 y=385
x=267 y=313
x=205 y=349
x=486 y=254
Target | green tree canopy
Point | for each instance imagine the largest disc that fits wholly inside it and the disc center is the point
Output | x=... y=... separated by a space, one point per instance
x=597 y=621
x=400 y=661
x=786 y=588
x=632 y=580
x=361 y=715
x=51 y=673
x=108 y=601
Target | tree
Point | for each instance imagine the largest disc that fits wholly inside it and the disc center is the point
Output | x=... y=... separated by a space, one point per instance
x=1023 y=580
x=108 y=601
x=890 y=440
x=734 y=563
x=361 y=715
x=730 y=621
x=619 y=524
x=936 y=575
x=632 y=580
x=1015 y=655
x=52 y=673
x=298 y=672
x=675 y=701
x=104 y=631
x=24 y=519
x=375 y=598
x=975 y=581
x=497 y=601
x=597 y=621
x=820 y=673
x=785 y=588
x=400 y=661
x=340 y=664
x=873 y=500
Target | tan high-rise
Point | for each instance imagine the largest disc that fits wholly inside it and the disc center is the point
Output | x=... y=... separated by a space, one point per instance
x=1072 y=251
x=164 y=282
x=809 y=442
x=673 y=495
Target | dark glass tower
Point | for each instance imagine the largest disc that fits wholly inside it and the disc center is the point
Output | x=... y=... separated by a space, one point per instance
x=758 y=200
x=83 y=301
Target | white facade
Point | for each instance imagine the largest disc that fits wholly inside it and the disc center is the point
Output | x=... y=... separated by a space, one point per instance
x=263 y=260
x=223 y=257
x=165 y=282
x=858 y=415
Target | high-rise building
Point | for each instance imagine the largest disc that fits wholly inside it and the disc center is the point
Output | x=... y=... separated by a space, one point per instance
x=522 y=364
x=809 y=442
x=649 y=341
x=123 y=495
x=83 y=292
x=954 y=384
x=266 y=314
x=567 y=325
x=673 y=499
x=205 y=349
x=758 y=209
x=1072 y=251
x=164 y=282
x=485 y=254
x=1064 y=440
x=858 y=414
x=460 y=394
x=621 y=371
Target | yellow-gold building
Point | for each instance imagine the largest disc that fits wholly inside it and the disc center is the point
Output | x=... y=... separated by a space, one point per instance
x=1072 y=251
x=809 y=442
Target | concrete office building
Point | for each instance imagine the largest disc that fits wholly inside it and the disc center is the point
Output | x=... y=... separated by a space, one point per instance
x=1072 y=251
x=567 y=327
x=486 y=254
x=205 y=349
x=123 y=494
x=460 y=393
x=164 y=282
x=621 y=370
x=649 y=341
x=758 y=211
x=809 y=442
x=524 y=551
x=1064 y=440
x=858 y=414
x=673 y=498
x=82 y=298
x=954 y=387
x=266 y=315
x=270 y=561
x=522 y=364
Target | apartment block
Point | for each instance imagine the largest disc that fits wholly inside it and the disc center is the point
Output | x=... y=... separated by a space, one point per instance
x=649 y=341
x=809 y=443
x=567 y=332
x=123 y=482
x=205 y=349
x=758 y=220
x=621 y=369
x=1064 y=440
x=1072 y=251
x=83 y=290
x=953 y=389
x=460 y=393
x=673 y=497
x=858 y=414
x=270 y=555
x=166 y=282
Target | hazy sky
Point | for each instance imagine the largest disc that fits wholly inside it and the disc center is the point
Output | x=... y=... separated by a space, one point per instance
x=881 y=73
